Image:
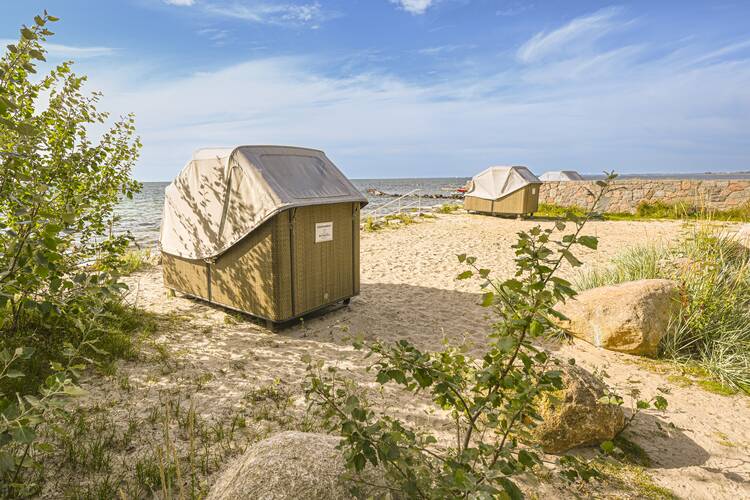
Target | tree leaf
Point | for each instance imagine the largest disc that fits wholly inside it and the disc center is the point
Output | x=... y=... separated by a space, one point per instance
x=23 y=435
x=589 y=241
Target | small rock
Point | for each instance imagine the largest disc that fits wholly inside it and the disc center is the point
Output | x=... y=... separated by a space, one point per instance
x=575 y=417
x=288 y=465
x=630 y=317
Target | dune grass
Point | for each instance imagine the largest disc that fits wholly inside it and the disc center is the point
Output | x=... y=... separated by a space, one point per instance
x=712 y=328
x=649 y=210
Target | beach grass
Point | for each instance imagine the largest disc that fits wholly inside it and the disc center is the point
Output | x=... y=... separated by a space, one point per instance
x=654 y=210
x=712 y=329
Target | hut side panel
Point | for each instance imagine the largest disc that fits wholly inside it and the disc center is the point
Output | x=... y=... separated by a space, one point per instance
x=355 y=245
x=523 y=201
x=243 y=277
x=477 y=204
x=188 y=276
x=322 y=271
x=282 y=266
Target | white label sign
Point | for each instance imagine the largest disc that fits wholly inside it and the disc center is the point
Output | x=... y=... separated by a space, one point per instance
x=323 y=232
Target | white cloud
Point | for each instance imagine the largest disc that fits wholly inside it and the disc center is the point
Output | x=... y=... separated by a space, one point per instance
x=377 y=124
x=180 y=3
x=443 y=49
x=581 y=31
x=414 y=6
x=68 y=51
x=272 y=13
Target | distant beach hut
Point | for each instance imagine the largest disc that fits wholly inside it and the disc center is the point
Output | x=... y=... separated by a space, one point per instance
x=503 y=190
x=561 y=176
x=272 y=231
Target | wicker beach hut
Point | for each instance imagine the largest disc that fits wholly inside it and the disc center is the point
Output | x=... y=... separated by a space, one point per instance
x=272 y=231
x=503 y=191
x=561 y=176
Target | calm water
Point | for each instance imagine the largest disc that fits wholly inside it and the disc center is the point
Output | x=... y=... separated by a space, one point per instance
x=142 y=215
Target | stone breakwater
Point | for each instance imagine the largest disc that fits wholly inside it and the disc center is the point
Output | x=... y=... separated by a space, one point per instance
x=627 y=194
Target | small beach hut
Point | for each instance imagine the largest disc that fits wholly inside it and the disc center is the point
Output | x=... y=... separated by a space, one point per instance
x=561 y=176
x=272 y=231
x=503 y=190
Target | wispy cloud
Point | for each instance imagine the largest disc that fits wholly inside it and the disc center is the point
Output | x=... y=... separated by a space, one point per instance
x=578 y=32
x=373 y=121
x=723 y=51
x=414 y=6
x=180 y=3
x=443 y=49
x=514 y=8
x=309 y=14
x=69 y=51
x=217 y=36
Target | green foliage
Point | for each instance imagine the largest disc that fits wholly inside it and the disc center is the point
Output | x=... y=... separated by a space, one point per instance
x=58 y=190
x=402 y=217
x=647 y=210
x=556 y=211
x=634 y=263
x=493 y=401
x=134 y=260
x=661 y=210
x=712 y=328
x=21 y=415
x=683 y=210
x=447 y=208
x=371 y=225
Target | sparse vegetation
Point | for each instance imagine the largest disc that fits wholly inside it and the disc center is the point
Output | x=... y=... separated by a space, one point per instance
x=448 y=208
x=712 y=329
x=391 y=221
x=650 y=210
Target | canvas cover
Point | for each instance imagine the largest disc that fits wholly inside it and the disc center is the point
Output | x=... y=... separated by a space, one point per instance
x=561 y=175
x=496 y=182
x=222 y=195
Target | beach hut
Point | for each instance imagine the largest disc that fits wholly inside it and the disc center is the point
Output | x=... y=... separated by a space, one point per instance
x=272 y=231
x=561 y=176
x=503 y=190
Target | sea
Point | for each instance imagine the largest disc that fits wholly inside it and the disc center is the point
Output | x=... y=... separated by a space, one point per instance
x=141 y=216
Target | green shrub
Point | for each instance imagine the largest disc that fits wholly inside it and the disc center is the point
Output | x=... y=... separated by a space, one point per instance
x=447 y=208
x=371 y=225
x=493 y=401
x=58 y=190
x=135 y=260
x=557 y=211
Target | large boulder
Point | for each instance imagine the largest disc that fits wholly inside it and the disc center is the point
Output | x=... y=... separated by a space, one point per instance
x=630 y=317
x=573 y=416
x=288 y=465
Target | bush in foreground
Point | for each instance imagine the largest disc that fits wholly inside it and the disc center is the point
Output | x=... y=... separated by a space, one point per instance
x=58 y=190
x=493 y=401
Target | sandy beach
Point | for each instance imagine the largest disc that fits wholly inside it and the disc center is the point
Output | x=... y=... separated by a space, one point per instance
x=215 y=359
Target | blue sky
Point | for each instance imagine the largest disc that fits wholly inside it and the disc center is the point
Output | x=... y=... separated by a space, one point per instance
x=420 y=88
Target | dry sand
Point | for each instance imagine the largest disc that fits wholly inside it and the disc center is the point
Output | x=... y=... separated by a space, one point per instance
x=699 y=447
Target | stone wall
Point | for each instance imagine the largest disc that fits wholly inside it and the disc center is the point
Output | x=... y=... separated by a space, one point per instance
x=710 y=194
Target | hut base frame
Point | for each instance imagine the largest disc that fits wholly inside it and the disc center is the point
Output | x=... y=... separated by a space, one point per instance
x=271 y=324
